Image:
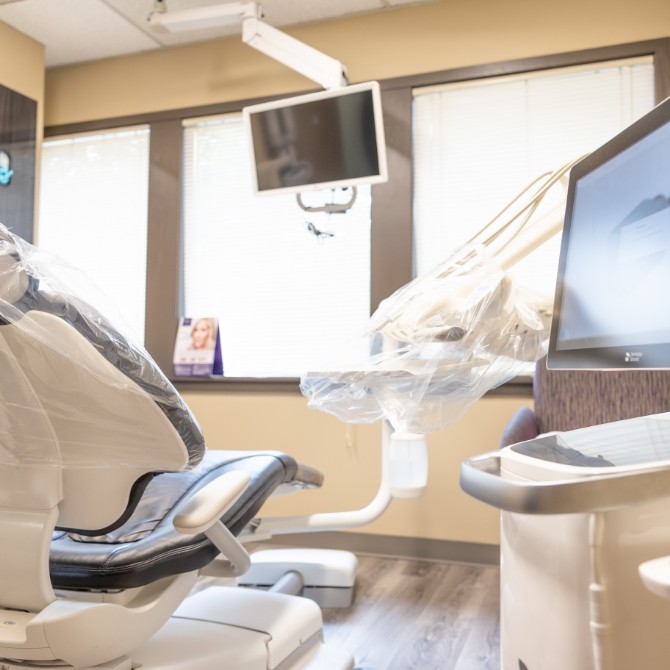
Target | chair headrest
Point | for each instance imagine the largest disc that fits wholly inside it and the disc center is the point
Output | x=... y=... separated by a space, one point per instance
x=35 y=281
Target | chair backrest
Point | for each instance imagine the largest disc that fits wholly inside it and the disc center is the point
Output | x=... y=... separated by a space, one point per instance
x=78 y=398
x=76 y=436
x=86 y=418
x=75 y=413
x=568 y=399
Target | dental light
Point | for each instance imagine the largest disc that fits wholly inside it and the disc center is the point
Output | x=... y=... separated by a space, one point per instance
x=324 y=70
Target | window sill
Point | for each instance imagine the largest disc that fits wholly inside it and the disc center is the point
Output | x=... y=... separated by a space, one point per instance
x=519 y=386
x=237 y=384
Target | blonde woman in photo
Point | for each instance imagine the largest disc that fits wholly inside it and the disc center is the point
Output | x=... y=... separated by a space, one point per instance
x=203 y=334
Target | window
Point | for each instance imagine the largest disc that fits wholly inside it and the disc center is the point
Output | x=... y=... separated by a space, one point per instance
x=478 y=143
x=289 y=288
x=93 y=214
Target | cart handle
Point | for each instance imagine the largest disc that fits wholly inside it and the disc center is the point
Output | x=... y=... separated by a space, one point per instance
x=480 y=477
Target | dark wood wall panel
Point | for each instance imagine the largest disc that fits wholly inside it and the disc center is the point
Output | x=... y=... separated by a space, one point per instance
x=18 y=119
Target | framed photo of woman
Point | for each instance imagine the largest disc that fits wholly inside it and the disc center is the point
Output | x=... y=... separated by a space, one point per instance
x=197 y=351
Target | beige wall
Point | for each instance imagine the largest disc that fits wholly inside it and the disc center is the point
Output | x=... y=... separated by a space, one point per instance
x=349 y=454
x=21 y=64
x=423 y=38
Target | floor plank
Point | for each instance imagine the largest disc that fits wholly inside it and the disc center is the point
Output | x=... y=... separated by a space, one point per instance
x=420 y=615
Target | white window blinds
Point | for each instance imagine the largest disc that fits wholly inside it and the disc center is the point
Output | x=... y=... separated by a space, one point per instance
x=289 y=288
x=93 y=214
x=477 y=144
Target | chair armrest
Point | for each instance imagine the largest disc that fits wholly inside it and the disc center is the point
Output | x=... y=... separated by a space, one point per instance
x=655 y=575
x=202 y=513
x=199 y=512
x=306 y=477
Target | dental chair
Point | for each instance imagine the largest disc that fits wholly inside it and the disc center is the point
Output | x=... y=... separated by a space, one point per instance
x=110 y=506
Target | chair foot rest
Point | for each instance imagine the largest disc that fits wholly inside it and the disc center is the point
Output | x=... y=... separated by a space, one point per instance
x=328 y=575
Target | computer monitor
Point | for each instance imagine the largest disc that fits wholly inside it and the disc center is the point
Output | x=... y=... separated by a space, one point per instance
x=612 y=304
x=330 y=139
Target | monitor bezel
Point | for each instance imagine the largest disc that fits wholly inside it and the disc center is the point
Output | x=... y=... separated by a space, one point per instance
x=379 y=177
x=621 y=357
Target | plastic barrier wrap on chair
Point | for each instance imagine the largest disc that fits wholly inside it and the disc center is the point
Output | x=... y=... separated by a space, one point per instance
x=35 y=285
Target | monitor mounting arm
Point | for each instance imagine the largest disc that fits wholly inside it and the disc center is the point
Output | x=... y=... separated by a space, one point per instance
x=324 y=70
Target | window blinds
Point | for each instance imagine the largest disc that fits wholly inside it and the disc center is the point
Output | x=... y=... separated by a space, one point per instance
x=477 y=144
x=93 y=214
x=290 y=289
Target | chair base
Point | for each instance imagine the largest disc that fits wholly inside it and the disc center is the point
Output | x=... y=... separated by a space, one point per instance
x=242 y=629
x=123 y=663
x=233 y=628
x=328 y=575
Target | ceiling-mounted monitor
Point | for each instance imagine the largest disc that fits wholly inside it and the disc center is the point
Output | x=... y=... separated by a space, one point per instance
x=612 y=306
x=330 y=139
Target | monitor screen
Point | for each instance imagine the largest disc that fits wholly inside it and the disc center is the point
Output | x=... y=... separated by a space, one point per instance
x=612 y=305
x=330 y=139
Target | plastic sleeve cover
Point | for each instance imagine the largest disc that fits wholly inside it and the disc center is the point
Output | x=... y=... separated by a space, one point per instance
x=435 y=346
x=52 y=369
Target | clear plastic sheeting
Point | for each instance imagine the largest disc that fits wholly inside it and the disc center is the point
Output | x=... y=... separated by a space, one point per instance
x=74 y=390
x=442 y=341
x=436 y=346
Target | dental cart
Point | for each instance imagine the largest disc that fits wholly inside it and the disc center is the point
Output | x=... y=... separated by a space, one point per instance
x=581 y=512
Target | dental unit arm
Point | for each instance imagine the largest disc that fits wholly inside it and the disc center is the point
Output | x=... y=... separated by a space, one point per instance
x=437 y=345
x=444 y=339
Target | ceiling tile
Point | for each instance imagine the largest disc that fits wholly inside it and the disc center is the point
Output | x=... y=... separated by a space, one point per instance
x=138 y=11
x=75 y=30
x=82 y=30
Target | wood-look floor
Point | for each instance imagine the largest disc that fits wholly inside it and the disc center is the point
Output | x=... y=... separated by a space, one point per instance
x=419 y=615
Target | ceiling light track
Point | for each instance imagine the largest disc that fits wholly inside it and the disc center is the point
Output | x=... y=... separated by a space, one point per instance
x=309 y=62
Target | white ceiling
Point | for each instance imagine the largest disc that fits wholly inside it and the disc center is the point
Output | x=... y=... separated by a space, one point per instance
x=74 y=31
